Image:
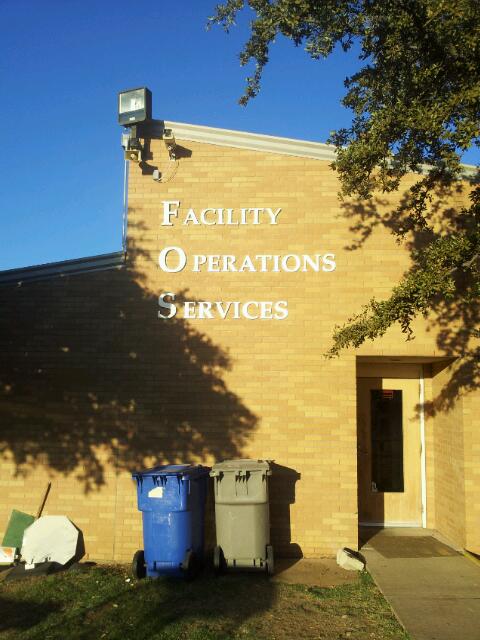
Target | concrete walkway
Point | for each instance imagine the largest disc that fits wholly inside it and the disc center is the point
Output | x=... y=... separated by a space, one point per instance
x=433 y=589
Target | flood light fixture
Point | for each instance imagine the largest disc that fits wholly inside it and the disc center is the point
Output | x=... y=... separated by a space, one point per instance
x=134 y=110
x=134 y=106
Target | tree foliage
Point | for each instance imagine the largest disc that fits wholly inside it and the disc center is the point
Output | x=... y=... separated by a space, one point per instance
x=415 y=103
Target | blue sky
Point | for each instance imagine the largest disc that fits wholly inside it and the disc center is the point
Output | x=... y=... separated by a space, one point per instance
x=62 y=63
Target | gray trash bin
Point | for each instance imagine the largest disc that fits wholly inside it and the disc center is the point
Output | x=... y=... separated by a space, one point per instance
x=242 y=515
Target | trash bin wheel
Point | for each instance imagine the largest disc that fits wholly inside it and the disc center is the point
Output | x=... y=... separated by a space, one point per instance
x=218 y=561
x=139 y=569
x=270 y=563
x=190 y=565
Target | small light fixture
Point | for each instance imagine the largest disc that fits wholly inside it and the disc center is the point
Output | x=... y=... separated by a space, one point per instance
x=170 y=143
x=134 y=106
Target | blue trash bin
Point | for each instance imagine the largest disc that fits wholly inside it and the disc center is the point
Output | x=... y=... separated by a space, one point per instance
x=172 y=501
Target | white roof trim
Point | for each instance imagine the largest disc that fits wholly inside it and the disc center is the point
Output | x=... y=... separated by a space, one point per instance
x=253 y=141
x=262 y=142
x=64 y=268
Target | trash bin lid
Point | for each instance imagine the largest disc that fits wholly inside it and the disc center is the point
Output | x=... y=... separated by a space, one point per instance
x=173 y=470
x=242 y=464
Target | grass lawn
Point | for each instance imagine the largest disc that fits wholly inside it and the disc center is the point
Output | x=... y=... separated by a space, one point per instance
x=99 y=602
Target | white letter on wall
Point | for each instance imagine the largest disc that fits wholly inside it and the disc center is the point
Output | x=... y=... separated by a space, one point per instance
x=172 y=309
x=167 y=214
x=329 y=263
x=162 y=259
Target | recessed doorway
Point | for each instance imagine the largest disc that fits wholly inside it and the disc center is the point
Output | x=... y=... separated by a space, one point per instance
x=389 y=444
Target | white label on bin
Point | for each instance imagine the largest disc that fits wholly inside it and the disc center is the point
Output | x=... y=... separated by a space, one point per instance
x=156 y=493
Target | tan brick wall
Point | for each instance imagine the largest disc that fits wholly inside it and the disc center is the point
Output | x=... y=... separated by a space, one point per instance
x=95 y=385
x=471 y=421
x=449 y=464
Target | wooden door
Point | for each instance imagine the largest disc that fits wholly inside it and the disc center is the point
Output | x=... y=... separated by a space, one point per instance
x=389 y=451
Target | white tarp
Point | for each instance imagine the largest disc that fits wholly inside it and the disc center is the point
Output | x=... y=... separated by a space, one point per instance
x=50 y=539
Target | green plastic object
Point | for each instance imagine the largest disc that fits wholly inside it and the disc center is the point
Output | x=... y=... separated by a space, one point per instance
x=17 y=524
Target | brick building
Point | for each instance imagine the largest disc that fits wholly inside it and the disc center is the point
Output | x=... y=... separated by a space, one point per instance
x=95 y=384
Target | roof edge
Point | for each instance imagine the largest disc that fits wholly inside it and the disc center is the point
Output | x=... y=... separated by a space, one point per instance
x=64 y=268
x=262 y=142
x=246 y=140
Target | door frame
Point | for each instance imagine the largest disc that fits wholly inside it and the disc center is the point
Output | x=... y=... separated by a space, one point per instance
x=371 y=370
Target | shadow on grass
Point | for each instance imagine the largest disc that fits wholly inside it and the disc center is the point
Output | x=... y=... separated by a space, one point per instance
x=102 y=603
x=20 y=615
x=105 y=603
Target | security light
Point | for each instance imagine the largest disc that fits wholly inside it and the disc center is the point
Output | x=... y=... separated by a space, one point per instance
x=169 y=140
x=134 y=109
x=134 y=106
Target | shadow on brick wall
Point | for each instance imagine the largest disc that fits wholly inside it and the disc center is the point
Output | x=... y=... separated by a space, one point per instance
x=92 y=380
x=454 y=321
x=282 y=496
